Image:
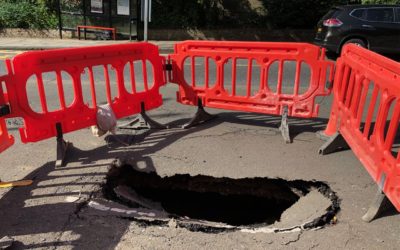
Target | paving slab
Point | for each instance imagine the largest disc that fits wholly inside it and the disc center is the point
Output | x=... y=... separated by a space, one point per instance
x=47 y=43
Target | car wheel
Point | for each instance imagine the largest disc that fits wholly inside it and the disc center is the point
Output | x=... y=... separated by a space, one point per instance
x=357 y=42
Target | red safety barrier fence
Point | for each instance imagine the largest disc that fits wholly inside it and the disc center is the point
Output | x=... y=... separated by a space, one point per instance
x=366 y=112
x=259 y=90
x=69 y=90
x=6 y=140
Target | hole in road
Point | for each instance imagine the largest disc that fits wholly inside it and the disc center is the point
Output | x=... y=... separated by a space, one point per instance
x=234 y=202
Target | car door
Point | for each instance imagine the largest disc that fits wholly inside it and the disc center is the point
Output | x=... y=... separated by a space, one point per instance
x=381 y=29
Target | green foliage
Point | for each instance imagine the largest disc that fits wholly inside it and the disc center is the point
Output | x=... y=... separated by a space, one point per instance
x=298 y=13
x=70 y=5
x=380 y=1
x=184 y=14
x=205 y=14
x=240 y=13
x=26 y=15
x=214 y=14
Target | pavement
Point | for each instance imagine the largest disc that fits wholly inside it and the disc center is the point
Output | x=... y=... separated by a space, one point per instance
x=55 y=212
x=43 y=43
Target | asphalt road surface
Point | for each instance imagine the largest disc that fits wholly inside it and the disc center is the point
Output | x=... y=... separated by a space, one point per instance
x=55 y=211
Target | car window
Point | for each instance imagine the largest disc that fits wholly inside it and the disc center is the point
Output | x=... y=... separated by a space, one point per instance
x=359 y=13
x=398 y=15
x=380 y=15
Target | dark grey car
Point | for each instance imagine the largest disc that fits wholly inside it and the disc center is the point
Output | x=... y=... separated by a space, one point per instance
x=376 y=27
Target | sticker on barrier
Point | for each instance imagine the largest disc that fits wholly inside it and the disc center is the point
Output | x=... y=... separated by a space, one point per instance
x=64 y=87
x=252 y=76
x=366 y=112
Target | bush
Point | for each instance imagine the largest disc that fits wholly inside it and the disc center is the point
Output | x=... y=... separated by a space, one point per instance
x=380 y=1
x=298 y=13
x=26 y=15
x=240 y=13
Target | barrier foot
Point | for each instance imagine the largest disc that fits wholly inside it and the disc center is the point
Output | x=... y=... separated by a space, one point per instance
x=322 y=135
x=201 y=116
x=333 y=144
x=143 y=121
x=376 y=206
x=62 y=147
x=284 y=127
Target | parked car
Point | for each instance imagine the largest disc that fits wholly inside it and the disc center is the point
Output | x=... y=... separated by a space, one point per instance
x=376 y=27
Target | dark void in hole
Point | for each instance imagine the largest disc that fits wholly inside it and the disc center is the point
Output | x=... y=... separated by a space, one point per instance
x=237 y=202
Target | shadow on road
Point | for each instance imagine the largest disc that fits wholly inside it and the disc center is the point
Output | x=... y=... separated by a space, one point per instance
x=43 y=214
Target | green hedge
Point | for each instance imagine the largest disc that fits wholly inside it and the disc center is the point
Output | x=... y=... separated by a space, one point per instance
x=240 y=13
x=26 y=15
x=298 y=13
x=303 y=14
x=381 y=1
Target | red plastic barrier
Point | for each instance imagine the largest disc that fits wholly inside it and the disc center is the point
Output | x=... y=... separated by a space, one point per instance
x=119 y=61
x=367 y=88
x=6 y=140
x=257 y=95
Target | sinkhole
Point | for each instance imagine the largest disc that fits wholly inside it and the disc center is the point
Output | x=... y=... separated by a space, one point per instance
x=242 y=203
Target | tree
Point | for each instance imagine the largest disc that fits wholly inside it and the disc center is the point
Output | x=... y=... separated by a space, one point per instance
x=298 y=13
x=380 y=1
x=27 y=14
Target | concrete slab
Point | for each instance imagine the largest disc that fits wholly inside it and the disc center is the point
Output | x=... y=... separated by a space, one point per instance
x=306 y=209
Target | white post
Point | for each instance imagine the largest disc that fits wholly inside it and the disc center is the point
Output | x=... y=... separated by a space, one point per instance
x=150 y=11
x=146 y=19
